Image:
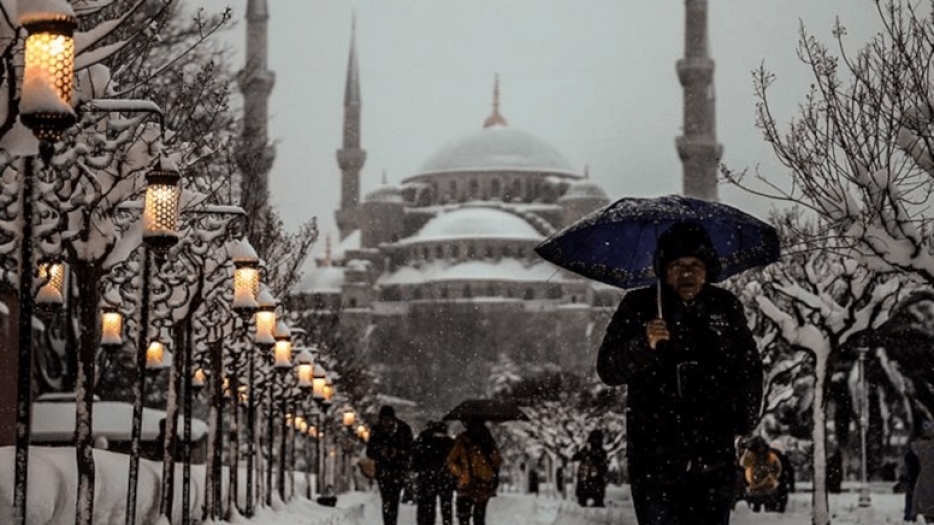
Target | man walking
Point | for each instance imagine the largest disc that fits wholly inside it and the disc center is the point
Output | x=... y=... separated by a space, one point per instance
x=390 y=447
x=694 y=382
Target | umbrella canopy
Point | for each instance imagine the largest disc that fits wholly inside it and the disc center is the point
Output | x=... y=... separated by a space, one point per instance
x=616 y=244
x=487 y=410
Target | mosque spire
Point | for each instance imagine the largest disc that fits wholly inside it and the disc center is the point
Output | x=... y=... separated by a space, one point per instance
x=351 y=157
x=256 y=154
x=495 y=118
x=327 y=250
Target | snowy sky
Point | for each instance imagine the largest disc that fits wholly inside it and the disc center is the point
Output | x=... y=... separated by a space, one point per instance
x=596 y=79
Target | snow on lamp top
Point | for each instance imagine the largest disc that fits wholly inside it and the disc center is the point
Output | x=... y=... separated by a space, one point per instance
x=48 y=79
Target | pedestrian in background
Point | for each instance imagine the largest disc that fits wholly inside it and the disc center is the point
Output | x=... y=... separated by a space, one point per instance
x=591 y=471
x=922 y=492
x=390 y=447
x=435 y=482
x=475 y=462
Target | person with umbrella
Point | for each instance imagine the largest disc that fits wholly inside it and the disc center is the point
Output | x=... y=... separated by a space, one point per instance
x=694 y=382
x=475 y=462
x=390 y=447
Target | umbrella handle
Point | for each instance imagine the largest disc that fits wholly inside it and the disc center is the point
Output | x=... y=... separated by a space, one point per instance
x=658 y=297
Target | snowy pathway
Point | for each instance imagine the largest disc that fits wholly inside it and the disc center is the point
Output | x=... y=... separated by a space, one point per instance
x=504 y=509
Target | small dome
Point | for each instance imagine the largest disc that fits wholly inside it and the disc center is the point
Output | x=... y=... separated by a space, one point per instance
x=476 y=222
x=385 y=193
x=584 y=189
x=497 y=148
x=322 y=280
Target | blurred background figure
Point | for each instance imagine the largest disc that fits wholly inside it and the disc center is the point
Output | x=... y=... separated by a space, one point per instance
x=475 y=462
x=434 y=481
x=591 y=472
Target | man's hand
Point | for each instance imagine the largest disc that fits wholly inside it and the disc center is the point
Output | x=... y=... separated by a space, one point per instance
x=656 y=330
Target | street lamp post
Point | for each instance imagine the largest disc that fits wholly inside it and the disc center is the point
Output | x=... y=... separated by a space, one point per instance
x=265 y=317
x=864 y=500
x=283 y=364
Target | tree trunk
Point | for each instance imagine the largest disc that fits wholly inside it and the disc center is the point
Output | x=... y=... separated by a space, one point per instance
x=88 y=276
x=820 y=505
x=139 y=389
x=233 y=502
x=186 y=429
x=170 y=438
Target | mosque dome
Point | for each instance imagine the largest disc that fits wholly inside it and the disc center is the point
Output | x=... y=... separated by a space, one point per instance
x=497 y=148
x=384 y=193
x=476 y=223
x=584 y=189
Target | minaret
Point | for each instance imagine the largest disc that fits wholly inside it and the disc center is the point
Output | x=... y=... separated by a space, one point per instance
x=256 y=155
x=350 y=157
x=698 y=148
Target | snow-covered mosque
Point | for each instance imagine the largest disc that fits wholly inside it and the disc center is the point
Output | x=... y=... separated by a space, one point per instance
x=439 y=271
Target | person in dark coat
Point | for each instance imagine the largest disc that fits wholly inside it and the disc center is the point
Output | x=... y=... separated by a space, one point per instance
x=694 y=380
x=429 y=461
x=390 y=446
x=591 y=472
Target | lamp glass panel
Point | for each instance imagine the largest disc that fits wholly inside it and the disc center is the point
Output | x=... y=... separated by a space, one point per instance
x=265 y=327
x=111 y=328
x=160 y=211
x=155 y=354
x=49 y=76
x=246 y=287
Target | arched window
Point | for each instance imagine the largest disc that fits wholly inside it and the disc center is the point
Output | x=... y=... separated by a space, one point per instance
x=439 y=252
x=495 y=189
x=417 y=293
x=471 y=251
x=474 y=188
x=455 y=252
x=452 y=189
x=489 y=251
x=467 y=292
x=444 y=292
x=529 y=294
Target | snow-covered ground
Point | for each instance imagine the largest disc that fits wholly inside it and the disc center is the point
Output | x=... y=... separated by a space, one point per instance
x=52 y=484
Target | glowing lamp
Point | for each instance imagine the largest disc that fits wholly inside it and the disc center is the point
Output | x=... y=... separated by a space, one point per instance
x=319 y=382
x=265 y=318
x=198 y=379
x=348 y=418
x=246 y=277
x=155 y=356
x=305 y=369
x=51 y=294
x=361 y=429
x=160 y=210
x=298 y=422
x=48 y=77
x=283 y=348
x=111 y=327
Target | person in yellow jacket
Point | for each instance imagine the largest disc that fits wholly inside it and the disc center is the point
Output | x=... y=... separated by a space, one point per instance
x=763 y=470
x=474 y=461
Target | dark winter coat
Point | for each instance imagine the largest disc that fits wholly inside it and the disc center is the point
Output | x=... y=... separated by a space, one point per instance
x=429 y=457
x=391 y=449
x=688 y=398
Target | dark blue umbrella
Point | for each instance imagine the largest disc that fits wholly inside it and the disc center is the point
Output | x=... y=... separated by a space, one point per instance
x=616 y=244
